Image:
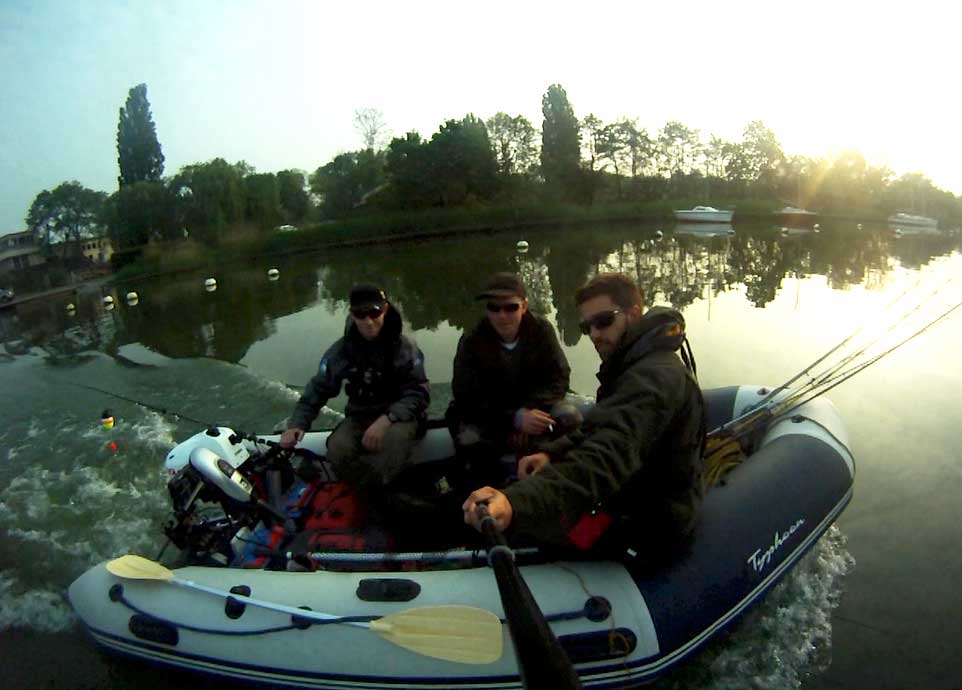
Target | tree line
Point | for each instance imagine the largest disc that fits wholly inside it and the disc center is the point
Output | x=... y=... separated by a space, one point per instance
x=469 y=162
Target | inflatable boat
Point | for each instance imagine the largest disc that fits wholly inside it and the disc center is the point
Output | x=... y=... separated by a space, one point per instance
x=621 y=622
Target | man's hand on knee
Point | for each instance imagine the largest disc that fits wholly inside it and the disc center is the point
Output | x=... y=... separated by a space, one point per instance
x=373 y=439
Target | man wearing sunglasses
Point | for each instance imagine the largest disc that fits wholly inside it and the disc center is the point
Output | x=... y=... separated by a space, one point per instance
x=629 y=480
x=387 y=394
x=510 y=379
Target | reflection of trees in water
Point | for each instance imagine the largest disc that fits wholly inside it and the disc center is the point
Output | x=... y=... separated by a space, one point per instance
x=434 y=282
x=915 y=251
x=180 y=319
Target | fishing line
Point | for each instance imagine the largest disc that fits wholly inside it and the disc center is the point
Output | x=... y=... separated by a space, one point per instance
x=854 y=333
x=147 y=406
x=844 y=376
x=818 y=381
x=748 y=422
x=829 y=373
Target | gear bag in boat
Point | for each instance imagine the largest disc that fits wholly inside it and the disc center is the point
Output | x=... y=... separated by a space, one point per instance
x=331 y=516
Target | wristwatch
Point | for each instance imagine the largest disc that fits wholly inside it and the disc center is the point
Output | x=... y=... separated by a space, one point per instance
x=391 y=417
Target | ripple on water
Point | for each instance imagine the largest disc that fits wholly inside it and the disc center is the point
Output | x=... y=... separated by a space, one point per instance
x=43 y=610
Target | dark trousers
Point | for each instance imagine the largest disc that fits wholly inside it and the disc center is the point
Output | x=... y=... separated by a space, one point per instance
x=370 y=471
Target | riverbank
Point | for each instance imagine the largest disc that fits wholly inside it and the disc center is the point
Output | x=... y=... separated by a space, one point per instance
x=185 y=256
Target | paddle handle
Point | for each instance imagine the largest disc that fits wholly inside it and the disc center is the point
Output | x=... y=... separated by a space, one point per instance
x=270 y=606
x=542 y=661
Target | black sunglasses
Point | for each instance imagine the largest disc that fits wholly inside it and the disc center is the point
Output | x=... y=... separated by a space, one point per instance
x=372 y=312
x=510 y=307
x=600 y=321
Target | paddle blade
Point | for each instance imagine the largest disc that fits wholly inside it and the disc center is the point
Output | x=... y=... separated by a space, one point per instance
x=138 y=568
x=463 y=634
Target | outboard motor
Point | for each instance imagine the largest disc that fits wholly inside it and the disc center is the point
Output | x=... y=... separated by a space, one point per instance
x=207 y=468
x=216 y=466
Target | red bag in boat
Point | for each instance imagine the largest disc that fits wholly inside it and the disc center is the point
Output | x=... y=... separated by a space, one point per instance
x=337 y=521
x=335 y=506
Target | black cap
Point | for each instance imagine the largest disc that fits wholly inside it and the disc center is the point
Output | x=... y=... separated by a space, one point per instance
x=502 y=285
x=367 y=295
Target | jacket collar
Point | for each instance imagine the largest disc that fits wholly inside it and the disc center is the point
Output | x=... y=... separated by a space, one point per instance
x=660 y=328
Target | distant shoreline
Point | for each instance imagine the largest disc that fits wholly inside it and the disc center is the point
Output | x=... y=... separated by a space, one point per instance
x=158 y=260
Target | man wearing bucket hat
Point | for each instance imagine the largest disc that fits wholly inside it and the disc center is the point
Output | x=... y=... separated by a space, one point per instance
x=387 y=394
x=510 y=379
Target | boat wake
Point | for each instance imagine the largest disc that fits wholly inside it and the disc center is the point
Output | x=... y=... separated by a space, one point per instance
x=784 y=640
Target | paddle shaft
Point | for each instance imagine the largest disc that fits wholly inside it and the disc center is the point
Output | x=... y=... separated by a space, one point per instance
x=542 y=661
x=270 y=606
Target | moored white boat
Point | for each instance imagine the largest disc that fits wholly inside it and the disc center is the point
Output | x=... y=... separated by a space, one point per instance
x=907 y=220
x=704 y=214
x=755 y=526
x=796 y=217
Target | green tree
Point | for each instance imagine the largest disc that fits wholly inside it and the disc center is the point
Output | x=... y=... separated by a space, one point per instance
x=140 y=212
x=515 y=143
x=560 y=144
x=763 y=156
x=462 y=162
x=211 y=197
x=678 y=148
x=292 y=188
x=263 y=200
x=343 y=183
x=64 y=216
x=408 y=168
x=138 y=151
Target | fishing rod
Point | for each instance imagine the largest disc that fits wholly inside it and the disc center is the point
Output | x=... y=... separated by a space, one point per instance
x=724 y=441
x=828 y=374
x=845 y=375
x=831 y=372
x=851 y=335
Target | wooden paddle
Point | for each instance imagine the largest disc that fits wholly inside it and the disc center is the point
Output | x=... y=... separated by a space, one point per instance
x=542 y=661
x=464 y=634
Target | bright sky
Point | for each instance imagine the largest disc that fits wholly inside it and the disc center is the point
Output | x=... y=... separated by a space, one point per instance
x=276 y=83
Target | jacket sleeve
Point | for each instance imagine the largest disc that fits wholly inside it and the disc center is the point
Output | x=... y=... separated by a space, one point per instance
x=415 y=391
x=554 y=373
x=323 y=386
x=618 y=433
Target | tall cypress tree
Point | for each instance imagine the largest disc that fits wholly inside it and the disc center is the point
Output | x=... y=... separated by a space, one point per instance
x=138 y=151
x=560 y=143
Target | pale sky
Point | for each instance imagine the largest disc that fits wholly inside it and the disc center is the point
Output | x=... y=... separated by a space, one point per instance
x=276 y=83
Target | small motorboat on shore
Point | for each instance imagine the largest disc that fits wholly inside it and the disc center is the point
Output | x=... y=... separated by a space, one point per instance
x=621 y=622
x=703 y=214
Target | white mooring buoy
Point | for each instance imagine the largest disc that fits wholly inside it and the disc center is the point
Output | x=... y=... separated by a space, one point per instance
x=210 y=285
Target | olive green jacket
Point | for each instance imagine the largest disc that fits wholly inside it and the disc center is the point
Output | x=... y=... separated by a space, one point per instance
x=638 y=453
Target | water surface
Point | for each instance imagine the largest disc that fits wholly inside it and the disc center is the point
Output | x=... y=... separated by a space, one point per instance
x=760 y=305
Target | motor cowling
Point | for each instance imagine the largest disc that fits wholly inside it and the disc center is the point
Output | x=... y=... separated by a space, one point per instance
x=221 y=474
x=220 y=440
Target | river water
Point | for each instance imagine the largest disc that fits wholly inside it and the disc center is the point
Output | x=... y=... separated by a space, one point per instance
x=875 y=604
